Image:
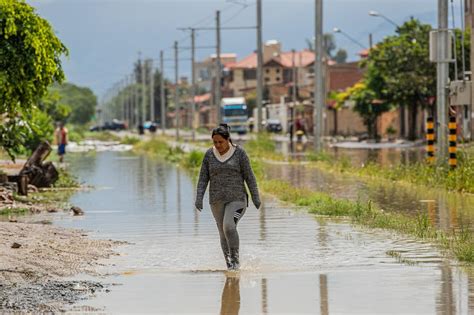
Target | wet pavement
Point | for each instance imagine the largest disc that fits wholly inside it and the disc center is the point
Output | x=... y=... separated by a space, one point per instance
x=292 y=262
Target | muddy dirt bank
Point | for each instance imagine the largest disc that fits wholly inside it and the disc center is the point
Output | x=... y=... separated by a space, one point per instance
x=36 y=258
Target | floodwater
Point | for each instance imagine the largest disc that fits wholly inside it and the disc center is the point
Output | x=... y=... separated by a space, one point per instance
x=292 y=263
x=358 y=156
x=445 y=210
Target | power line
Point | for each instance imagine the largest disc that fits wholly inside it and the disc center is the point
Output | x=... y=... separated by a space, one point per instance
x=235 y=15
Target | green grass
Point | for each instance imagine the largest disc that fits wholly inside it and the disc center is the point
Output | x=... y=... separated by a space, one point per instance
x=158 y=148
x=154 y=147
x=263 y=146
x=459 y=179
x=101 y=136
x=193 y=160
x=66 y=180
x=13 y=211
x=319 y=157
x=130 y=140
x=398 y=256
x=77 y=133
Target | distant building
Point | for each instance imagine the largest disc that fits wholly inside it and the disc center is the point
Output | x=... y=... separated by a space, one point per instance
x=278 y=70
x=205 y=71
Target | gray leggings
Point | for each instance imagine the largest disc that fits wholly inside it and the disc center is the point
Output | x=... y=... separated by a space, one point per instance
x=227 y=216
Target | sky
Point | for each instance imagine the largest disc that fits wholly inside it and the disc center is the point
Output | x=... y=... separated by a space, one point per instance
x=105 y=37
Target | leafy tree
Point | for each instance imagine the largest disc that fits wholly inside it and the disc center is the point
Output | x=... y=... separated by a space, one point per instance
x=140 y=65
x=251 y=101
x=52 y=104
x=42 y=128
x=467 y=52
x=399 y=69
x=329 y=45
x=368 y=106
x=157 y=92
x=340 y=56
x=116 y=103
x=30 y=61
x=81 y=101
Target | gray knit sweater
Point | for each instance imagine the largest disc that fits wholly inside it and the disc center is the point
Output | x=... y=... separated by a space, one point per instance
x=227 y=179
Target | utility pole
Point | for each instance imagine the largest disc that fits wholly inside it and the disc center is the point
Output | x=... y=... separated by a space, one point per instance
x=442 y=72
x=135 y=100
x=293 y=98
x=123 y=92
x=193 y=84
x=162 y=94
x=293 y=72
x=143 y=85
x=370 y=41
x=129 y=101
x=318 y=82
x=218 y=65
x=259 y=66
x=152 y=92
x=176 y=88
x=125 y=99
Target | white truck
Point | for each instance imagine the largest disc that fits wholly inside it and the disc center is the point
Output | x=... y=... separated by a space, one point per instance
x=234 y=113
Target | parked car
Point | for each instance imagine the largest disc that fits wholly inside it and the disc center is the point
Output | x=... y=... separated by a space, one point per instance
x=150 y=124
x=110 y=125
x=273 y=125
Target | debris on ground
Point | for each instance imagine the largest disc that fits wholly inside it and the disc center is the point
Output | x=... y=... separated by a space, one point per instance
x=35 y=260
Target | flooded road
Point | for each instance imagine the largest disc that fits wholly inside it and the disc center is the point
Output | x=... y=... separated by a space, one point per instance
x=292 y=263
x=446 y=210
x=403 y=154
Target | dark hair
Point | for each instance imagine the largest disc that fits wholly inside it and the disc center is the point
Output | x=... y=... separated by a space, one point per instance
x=223 y=130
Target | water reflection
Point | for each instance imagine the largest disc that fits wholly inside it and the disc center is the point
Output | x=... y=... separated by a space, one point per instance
x=264 y=296
x=470 y=285
x=230 y=301
x=451 y=295
x=178 y=198
x=446 y=303
x=262 y=222
x=323 y=292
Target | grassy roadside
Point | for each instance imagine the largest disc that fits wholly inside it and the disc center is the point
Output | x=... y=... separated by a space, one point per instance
x=159 y=148
x=459 y=244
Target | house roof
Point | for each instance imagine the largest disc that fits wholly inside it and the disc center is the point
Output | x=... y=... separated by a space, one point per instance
x=303 y=58
x=364 y=53
x=229 y=65
x=224 y=55
x=249 y=62
x=202 y=98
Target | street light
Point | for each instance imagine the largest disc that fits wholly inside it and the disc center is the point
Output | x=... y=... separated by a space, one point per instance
x=377 y=14
x=338 y=30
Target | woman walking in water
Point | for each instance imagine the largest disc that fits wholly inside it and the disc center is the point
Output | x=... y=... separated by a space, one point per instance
x=226 y=166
